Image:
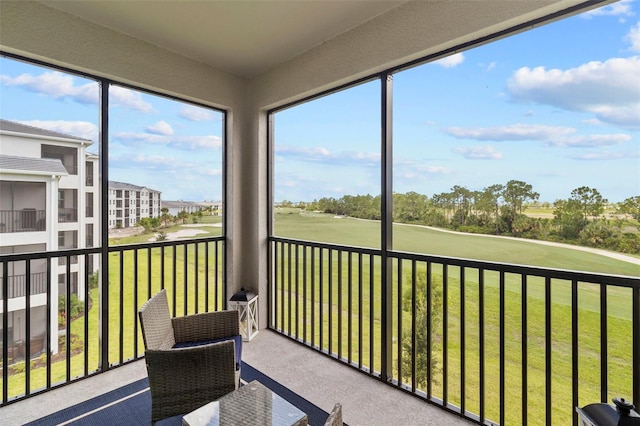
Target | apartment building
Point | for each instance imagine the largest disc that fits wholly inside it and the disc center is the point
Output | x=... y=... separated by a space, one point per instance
x=175 y=207
x=129 y=203
x=47 y=199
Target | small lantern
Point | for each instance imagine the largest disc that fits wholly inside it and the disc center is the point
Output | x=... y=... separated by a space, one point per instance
x=245 y=302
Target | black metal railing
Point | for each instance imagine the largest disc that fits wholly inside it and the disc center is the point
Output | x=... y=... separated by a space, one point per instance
x=17 y=284
x=495 y=343
x=27 y=220
x=192 y=271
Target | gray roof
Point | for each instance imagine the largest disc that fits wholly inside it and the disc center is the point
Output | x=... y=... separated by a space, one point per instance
x=127 y=186
x=44 y=165
x=12 y=126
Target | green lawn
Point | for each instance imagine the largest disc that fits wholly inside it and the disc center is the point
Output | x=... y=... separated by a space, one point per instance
x=316 y=226
x=327 y=228
x=321 y=227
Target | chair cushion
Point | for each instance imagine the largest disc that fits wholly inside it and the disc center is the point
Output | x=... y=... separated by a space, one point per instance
x=236 y=339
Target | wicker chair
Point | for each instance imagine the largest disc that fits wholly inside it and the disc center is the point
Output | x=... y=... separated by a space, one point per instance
x=191 y=360
x=335 y=417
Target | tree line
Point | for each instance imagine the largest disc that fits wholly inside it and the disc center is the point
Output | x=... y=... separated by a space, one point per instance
x=499 y=209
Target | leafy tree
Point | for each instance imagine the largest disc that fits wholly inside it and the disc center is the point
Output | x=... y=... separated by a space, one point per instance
x=183 y=216
x=149 y=224
x=421 y=349
x=516 y=193
x=591 y=201
x=165 y=217
x=631 y=206
x=488 y=202
x=599 y=234
x=568 y=215
x=409 y=207
x=461 y=197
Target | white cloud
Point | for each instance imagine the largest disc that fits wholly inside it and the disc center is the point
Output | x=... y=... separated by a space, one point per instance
x=478 y=152
x=323 y=155
x=123 y=97
x=633 y=37
x=451 y=61
x=620 y=8
x=194 y=113
x=609 y=89
x=591 y=140
x=597 y=156
x=78 y=129
x=56 y=85
x=513 y=132
x=160 y=128
x=180 y=142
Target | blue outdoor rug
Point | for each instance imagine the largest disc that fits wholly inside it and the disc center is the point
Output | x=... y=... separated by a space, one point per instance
x=131 y=405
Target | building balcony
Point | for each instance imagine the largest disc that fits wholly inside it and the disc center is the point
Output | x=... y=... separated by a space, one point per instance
x=25 y=220
x=17 y=285
x=66 y=215
x=448 y=339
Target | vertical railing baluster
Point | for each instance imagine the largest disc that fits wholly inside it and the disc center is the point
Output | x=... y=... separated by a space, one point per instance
x=305 y=250
x=604 y=363
x=185 y=278
x=135 y=302
x=340 y=253
x=48 y=321
x=313 y=296
x=371 y=314
x=288 y=290
x=196 y=274
x=174 y=279
x=399 y=324
x=162 y=285
x=445 y=334
x=463 y=371
x=547 y=352
x=149 y=273
x=524 y=348
x=429 y=334
x=350 y=308
x=273 y=317
x=207 y=289
x=635 y=356
x=574 y=350
x=414 y=323
x=481 y=345
x=87 y=296
x=330 y=302
x=281 y=283
x=27 y=331
x=360 y=314
x=67 y=339
x=297 y=280
x=321 y=302
x=502 y=348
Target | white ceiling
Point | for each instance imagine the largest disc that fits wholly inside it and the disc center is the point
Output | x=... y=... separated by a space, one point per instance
x=242 y=37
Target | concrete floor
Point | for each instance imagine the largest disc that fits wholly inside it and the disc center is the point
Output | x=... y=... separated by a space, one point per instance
x=365 y=401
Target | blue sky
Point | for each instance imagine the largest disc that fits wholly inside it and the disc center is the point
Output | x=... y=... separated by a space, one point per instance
x=166 y=145
x=557 y=107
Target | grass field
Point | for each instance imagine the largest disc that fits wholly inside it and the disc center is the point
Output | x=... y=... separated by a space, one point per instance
x=344 y=231
x=327 y=228
x=320 y=227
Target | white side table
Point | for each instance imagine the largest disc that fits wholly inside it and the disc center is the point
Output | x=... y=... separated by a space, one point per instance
x=246 y=303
